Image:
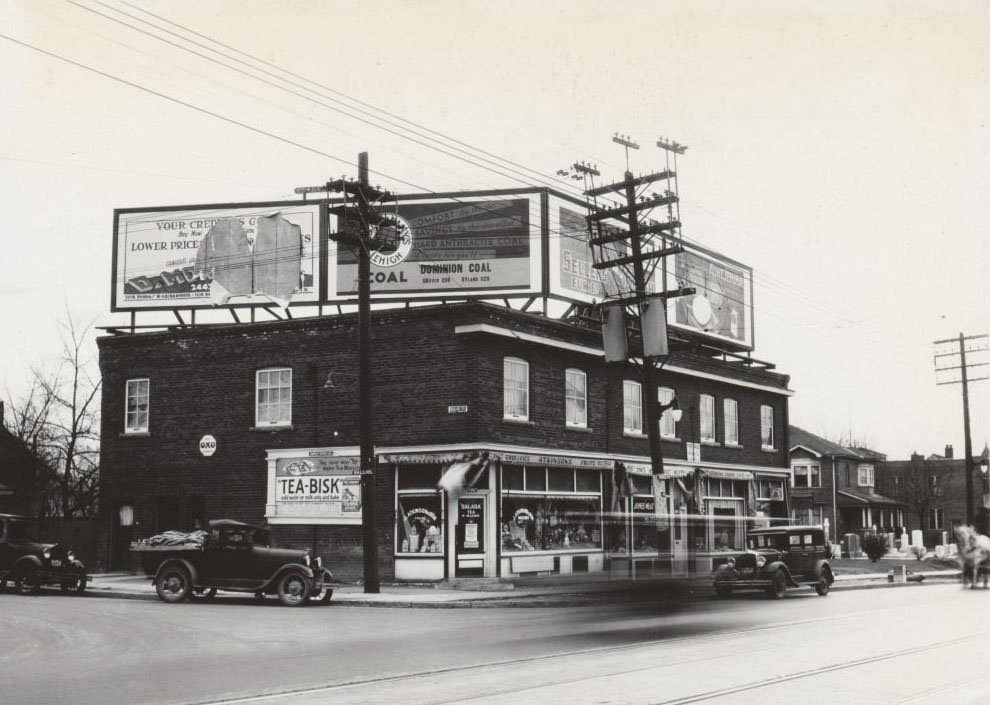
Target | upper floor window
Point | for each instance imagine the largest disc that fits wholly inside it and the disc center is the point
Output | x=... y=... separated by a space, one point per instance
x=936 y=518
x=516 y=388
x=668 y=427
x=274 y=397
x=766 y=426
x=136 y=406
x=809 y=475
x=865 y=473
x=706 y=403
x=576 y=397
x=933 y=479
x=730 y=421
x=632 y=407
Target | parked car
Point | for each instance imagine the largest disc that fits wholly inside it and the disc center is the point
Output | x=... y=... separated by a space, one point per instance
x=29 y=563
x=775 y=559
x=233 y=556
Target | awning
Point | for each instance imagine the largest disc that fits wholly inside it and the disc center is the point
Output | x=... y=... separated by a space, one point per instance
x=851 y=498
x=674 y=473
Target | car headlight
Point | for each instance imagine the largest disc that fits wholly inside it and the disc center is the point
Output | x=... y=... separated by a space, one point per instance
x=731 y=562
x=47 y=554
x=306 y=559
x=761 y=561
x=319 y=561
x=70 y=556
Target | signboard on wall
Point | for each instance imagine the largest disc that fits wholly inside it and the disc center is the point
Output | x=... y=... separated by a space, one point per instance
x=314 y=486
x=464 y=246
x=232 y=255
x=722 y=306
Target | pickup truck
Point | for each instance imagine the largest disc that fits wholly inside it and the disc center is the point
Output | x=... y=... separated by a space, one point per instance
x=234 y=556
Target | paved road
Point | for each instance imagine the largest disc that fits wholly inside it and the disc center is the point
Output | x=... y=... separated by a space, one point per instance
x=916 y=645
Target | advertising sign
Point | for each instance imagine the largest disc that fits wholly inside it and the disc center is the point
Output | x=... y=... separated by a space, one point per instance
x=316 y=486
x=469 y=246
x=199 y=256
x=722 y=306
x=572 y=272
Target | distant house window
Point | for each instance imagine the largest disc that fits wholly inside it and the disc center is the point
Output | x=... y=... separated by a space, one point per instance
x=811 y=516
x=865 y=473
x=936 y=518
x=576 y=398
x=809 y=475
x=668 y=427
x=136 y=414
x=516 y=388
x=706 y=403
x=632 y=407
x=766 y=426
x=730 y=421
x=274 y=397
x=933 y=479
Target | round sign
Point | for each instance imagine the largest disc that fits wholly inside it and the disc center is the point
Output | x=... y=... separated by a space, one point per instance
x=207 y=445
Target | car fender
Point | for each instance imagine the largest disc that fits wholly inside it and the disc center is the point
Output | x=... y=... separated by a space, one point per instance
x=282 y=570
x=724 y=572
x=189 y=568
x=25 y=563
x=770 y=568
x=820 y=565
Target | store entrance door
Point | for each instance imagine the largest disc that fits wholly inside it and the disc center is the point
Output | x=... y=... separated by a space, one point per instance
x=471 y=537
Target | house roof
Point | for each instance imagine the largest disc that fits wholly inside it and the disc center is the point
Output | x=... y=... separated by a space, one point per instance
x=817 y=445
x=848 y=498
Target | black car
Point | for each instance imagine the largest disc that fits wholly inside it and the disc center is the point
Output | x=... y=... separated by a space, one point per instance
x=232 y=556
x=29 y=563
x=775 y=559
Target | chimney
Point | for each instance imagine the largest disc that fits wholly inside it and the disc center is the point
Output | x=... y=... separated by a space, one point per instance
x=948 y=452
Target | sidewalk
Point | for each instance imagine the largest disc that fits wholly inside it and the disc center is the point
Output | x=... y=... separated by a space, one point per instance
x=559 y=591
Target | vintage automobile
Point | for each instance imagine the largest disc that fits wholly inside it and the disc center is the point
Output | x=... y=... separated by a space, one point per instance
x=232 y=556
x=775 y=559
x=29 y=563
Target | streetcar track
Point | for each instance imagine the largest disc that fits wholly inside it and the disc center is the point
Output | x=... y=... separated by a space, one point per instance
x=466 y=669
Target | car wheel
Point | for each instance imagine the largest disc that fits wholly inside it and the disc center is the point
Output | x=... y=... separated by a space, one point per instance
x=823 y=585
x=77 y=585
x=173 y=584
x=202 y=593
x=723 y=589
x=28 y=582
x=778 y=587
x=81 y=585
x=293 y=589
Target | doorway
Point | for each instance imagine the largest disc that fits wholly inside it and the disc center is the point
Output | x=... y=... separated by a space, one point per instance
x=472 y=555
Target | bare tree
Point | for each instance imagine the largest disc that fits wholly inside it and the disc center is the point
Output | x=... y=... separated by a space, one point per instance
x=58 y=420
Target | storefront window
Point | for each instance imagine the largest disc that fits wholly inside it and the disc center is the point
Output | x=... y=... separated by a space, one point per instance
x=419 y=520
x=644 y=527
x=550 y=522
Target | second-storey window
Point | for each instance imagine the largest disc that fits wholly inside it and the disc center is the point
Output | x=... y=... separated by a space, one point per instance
x=706 y=403
x=274 y=397
x=632 y=407
x=136 y=405
x=576 y=398
x=865 y=473
x=516 y=388
x=730 y=421
x=809 y=475
x=668 y=428
x=766 y=426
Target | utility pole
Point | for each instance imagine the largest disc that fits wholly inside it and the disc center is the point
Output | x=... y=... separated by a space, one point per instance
x=364 y=241
x=643 y=246
x=966 y=345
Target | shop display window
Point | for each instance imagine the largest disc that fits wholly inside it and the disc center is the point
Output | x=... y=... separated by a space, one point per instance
x=419 y=523
x=550 y=522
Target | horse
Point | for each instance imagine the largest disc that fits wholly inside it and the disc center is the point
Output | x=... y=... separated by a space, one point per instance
x=974 y=556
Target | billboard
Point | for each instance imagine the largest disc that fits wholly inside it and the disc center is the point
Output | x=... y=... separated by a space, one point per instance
x=199 y=256
x=448 y=247
x=572 y=272
x=722 y=306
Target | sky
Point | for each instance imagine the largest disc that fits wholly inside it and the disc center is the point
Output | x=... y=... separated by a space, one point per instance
x=839 y=149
